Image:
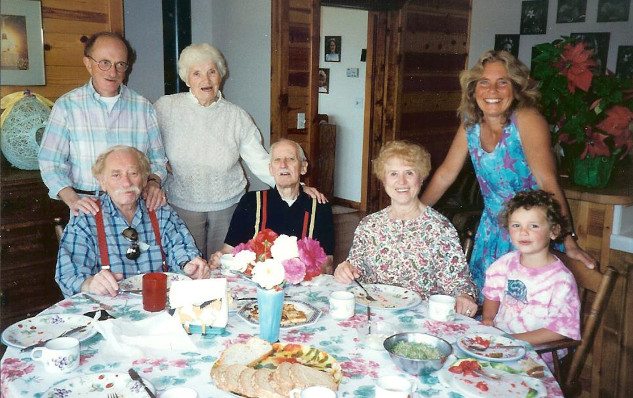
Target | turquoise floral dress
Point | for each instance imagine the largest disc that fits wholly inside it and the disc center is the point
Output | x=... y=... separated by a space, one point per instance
x=501 y=174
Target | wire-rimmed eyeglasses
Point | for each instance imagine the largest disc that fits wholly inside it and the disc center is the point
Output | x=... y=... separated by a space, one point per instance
x=106 y=64
x=134 y=251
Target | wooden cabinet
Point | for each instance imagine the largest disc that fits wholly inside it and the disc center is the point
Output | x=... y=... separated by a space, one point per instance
x=29 y=245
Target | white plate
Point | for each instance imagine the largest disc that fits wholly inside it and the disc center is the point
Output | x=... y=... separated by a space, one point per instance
x=312 y=313
x=100 y=385
x=512 y=354
x=136 y=282
x=509 y=386
x=387 y=297
x=42 y=327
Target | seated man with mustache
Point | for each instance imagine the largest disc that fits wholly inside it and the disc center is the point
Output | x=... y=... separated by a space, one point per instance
x=124 y=238
x=286 y=208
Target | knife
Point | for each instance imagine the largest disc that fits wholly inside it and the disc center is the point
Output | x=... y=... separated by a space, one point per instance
x=94 y=300
x=66 y=333
x=138 y=378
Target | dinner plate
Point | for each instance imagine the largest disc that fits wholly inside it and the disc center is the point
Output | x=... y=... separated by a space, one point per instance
x=135 y=283
x=43 y=327
x=100 y=385
x=507 y=355
x=306 y=355
x=387 y=297
x=312 y=313
x=508 y=386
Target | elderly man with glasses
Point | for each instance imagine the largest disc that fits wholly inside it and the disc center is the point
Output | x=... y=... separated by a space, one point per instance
x=124 y=238
x=88 y=120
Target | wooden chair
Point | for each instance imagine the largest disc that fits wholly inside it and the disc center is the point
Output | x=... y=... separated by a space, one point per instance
x=59 y=228
x=590 y=283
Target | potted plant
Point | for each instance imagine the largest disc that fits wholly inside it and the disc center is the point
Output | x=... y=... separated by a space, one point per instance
x=591 y=115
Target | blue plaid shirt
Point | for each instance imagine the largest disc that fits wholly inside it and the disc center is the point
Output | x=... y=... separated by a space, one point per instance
x=79 y=257
x=80 y=128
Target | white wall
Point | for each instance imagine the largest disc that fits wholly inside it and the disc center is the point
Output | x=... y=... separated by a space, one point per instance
x=344 y=104
x=490 y=17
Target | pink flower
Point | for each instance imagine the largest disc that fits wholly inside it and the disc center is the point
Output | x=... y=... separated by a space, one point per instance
x=295 y=270
x=313 y=255
x=240 y=247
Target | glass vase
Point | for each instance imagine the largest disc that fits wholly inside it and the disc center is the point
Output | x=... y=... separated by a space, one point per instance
x=270 y=304
x=593 y=172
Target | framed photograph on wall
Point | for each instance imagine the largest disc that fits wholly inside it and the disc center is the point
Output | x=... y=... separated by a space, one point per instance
x=624 y=65
x=534 y=17
x=599 y=43
x=332 y=48
x=22 y=45
x=571 y=11
x=324 y=80
x=613 y=10
x=509 y=43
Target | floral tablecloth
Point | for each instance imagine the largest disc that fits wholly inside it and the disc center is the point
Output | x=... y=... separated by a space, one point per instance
x=22 y=377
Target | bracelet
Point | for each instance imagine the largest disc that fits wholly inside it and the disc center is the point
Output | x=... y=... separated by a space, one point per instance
x=153 y=179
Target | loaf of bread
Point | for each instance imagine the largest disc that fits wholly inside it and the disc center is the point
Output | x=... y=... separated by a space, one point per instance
x=247 y=354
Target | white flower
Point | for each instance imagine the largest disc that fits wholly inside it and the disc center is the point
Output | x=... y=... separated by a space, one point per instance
x=241 y=260
x=284 y=248
x=269 y=273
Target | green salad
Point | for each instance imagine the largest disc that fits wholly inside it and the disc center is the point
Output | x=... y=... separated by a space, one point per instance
x=416 y=350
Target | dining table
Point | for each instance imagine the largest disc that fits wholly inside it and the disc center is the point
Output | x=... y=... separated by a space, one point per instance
x=361 y=365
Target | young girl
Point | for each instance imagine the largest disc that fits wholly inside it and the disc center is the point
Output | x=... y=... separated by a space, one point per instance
x=529 y=292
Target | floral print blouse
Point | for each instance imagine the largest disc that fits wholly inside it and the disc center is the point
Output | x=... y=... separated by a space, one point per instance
x=423 y=254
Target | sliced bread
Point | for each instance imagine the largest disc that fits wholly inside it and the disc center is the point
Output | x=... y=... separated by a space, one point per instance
x=246 y=383
x=281 y=379
x=230 y=378
x=248 y=354
x=216 y=375
x=304 y=376
x=261 y=383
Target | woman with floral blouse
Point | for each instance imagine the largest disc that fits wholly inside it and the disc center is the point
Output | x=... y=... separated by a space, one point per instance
x=409 y=244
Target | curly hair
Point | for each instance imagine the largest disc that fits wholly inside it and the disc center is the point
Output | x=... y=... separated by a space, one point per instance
x=539 y=199
x=196 y=54
x=526 y=94
x=408 y=152
x=143 y=160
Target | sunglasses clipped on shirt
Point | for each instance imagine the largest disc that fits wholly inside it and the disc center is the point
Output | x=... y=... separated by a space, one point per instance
x=134 y=251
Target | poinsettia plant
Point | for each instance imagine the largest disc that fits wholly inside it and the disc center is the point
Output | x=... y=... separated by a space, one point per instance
x=275 y=260
x=591 y=114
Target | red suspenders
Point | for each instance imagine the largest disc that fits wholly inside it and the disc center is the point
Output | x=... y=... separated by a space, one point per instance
x=103 y=245
x=264 y=215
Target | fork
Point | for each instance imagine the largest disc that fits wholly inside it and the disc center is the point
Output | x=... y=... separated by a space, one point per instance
x=369 y=297
x=113 y=395
x=486 y=374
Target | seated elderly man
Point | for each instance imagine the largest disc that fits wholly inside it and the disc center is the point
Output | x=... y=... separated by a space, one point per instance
x=124 y=238
x=286 y=209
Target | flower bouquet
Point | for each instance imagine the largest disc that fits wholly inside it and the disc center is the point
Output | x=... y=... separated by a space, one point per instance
x=273 y=261
x=591 y=115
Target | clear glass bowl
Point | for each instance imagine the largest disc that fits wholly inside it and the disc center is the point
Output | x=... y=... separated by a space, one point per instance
x=380 y=330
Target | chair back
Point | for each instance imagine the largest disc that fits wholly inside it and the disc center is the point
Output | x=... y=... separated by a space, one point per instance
x=590 y=283
x=59 y=228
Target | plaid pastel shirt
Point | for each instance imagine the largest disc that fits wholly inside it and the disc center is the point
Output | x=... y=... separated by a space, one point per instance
x=78 y=256
x=80 y=128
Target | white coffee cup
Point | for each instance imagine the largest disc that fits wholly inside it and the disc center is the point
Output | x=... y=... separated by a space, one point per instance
x=60 y=355
x=342 y=304
x=442 y=308
x=394 y=387
x=226 y=261
x=312 y=392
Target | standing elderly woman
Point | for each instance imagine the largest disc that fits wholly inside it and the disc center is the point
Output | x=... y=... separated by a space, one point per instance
x=509 y=144
x=205 y=136
x=408 y=243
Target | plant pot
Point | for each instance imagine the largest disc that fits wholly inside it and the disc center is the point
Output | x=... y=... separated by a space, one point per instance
x=593 y=172
x=270 y=304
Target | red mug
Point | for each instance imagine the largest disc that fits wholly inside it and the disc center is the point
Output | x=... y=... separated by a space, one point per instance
x=154 y=291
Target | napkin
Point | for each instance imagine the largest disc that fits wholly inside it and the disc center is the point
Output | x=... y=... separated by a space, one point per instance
x=194 y=303
x=151 y=337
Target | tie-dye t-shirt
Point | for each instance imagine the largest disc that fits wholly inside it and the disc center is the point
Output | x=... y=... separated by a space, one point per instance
x=533 y=298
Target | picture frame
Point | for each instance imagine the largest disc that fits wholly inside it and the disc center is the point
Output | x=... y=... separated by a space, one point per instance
x=324 y=80
x=534 y=17
x=509 y=43
x=569 y=11
x=613 y=10
x=624 y=64
x=332 y=49
x=22 y=56
x=599 y=43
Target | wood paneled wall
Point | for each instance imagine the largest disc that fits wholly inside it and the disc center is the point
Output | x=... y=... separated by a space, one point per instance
x=294 y=62
x=66 y=25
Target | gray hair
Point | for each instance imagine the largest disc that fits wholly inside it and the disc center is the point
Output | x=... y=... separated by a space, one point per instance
x=143 y=160
x=302 y=155
x=197 y=54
